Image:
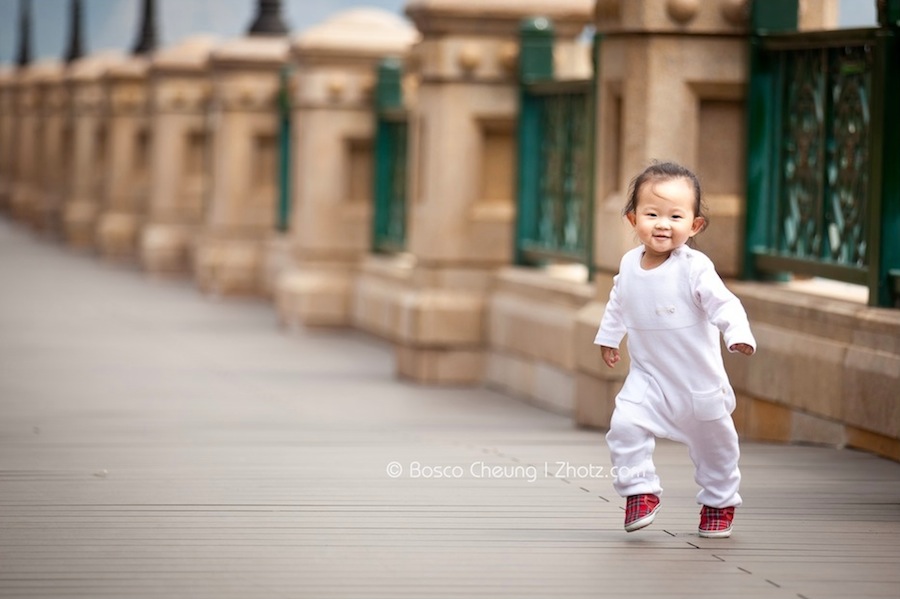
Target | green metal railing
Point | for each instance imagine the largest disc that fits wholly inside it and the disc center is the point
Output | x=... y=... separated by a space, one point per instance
x=556 y=143
x=824 y=155
x=391 y=133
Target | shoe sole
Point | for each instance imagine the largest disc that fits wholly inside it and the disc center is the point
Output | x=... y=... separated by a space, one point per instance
x=715 y=534
x=642 y=522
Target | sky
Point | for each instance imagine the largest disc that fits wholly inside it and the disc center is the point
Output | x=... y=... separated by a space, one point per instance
x=114 y=23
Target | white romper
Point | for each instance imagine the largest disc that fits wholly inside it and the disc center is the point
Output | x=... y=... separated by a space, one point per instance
x=677 y=387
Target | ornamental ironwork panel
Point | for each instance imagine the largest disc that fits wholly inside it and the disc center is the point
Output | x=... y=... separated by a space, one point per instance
x=563 y=180
x=824 y=185
x=555 y=212
x=847 y=170
x=803 y=154
x=823 y=193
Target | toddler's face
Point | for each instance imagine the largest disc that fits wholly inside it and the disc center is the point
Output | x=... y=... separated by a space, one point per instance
x=664 y=218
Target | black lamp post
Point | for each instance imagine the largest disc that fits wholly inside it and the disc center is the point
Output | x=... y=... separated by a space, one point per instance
x=268 y=19
x=146 y=41
x=76 y=49
x=24 y=56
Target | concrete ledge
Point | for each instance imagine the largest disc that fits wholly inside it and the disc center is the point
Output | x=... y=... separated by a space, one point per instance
x=827 y=370
x=827 y=357
x=760 y=420
x=533 y=315
x=596 y=385
x=595 y=399
x=537 y=382
x=438 y=332
x=533 y=345
x=386 y=304
x=878 y=444
x=440 y=366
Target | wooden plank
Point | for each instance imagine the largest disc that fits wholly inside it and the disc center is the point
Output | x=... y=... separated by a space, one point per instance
x=154 y=443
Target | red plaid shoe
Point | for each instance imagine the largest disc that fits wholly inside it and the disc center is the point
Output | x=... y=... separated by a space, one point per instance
x=715 y=523
x=640 y=510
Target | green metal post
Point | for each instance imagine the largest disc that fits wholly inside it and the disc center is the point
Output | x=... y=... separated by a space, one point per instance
x=284 y=154
x=389 y=90
x=774 y=15
x=888 y=13
x=763 y=127
x=388 y=100
x=884 y=220
x=535 y=64
x=536 y=37
x=759 y=145
x=890 y=212
x=593 y=154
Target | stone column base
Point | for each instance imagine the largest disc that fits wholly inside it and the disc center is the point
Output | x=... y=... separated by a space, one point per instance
x=166 y=249
x=5 y=197
x=229 y=266
x=438 y=333
x=315 y=296
x=21 y=203
x=117 y=234
x=276 y=263
x=532 y=337
x=47 y=216
x=440 y=366
x=376 y=295
x=79 y=223
x=596 y=385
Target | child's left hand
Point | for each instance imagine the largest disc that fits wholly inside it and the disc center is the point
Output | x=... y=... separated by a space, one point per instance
x=743 y=348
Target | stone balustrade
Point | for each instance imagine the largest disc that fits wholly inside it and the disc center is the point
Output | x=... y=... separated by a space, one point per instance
x=174 y=159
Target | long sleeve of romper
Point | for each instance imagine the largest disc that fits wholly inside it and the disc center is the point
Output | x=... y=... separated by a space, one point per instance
x=722 y=307
x=612 y=326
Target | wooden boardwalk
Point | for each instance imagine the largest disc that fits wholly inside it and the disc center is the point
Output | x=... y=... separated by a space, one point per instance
x=156 y=443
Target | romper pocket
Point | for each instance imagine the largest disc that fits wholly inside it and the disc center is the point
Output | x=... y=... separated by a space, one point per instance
x=710 y=405
x=635 y=388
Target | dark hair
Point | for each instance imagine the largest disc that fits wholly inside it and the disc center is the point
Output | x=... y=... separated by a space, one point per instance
x=665 y=171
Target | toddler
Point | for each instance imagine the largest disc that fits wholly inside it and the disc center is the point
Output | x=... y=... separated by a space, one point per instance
x=672 y=304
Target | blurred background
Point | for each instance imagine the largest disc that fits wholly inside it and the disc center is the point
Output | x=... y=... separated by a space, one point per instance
x=111 y=23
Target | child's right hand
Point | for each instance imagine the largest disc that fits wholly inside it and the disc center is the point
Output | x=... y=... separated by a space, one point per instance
x=610 y=355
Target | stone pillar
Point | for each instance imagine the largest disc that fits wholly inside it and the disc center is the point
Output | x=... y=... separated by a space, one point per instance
x=333 y=130
x=28 y=125
x=461 y=203
x=7 y=135
x=53 y=111
x=662 y=96
x=818 y=14
x=244 y=126
x=179 y=161
x=672 y=81
x=89 y=147
x=128 y=162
